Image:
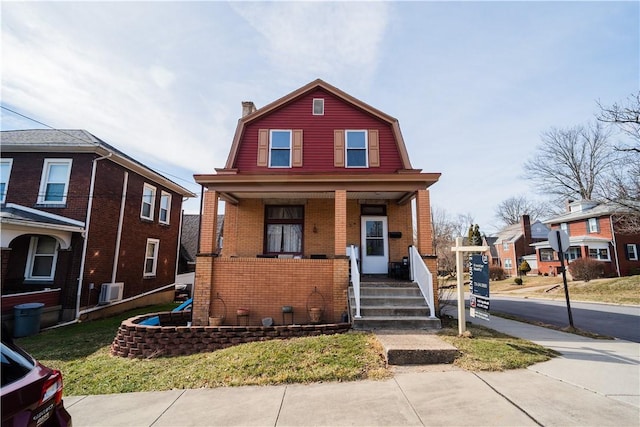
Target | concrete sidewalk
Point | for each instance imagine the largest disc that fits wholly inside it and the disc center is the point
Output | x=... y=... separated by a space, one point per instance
x=594 y=383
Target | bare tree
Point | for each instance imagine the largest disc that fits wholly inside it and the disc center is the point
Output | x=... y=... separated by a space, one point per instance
x=625 y=117
x=622 y=187
x=445 y=230
x=570 y=163
x=510 y=211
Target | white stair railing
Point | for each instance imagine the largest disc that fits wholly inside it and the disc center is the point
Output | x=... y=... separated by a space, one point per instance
x=355 y=279
x=423 y=277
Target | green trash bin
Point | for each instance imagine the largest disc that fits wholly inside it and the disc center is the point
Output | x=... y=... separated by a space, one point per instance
x=26 y=319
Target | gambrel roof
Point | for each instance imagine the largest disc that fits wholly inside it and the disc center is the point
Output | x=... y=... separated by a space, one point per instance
x=318 y=83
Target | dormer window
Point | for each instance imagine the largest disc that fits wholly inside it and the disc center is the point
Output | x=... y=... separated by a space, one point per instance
x=280 y=149
x=318 y=107
x=356 y=146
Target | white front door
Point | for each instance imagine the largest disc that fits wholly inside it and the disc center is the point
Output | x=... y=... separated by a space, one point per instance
x=375 y=245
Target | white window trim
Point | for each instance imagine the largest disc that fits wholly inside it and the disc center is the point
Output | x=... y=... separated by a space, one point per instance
x=547 y=251
x=596 y=248
x=33 y=244
x=44 y=179
x=366 y=148
x=505 y=246
x=635 y=252
x=573 y=253
x=153 y=202
x=593 y=225
x=165 y=196
x=280 y=148
x=3 y=196
x=507 y=263
x=313 y=106
x=565 y=227
x=155 y=258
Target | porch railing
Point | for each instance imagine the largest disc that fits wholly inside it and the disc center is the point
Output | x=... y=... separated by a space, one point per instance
x=423 y=277
x=355 y=278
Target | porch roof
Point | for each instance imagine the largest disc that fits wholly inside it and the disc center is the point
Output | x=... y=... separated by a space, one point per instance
x=399 y=186
x=18 y=220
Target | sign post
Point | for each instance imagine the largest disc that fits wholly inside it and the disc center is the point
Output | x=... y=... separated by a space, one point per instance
x=559 y=241
x=460 y=250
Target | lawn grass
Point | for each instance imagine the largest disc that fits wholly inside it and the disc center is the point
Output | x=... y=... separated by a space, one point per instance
x=617 y=290
x=81 y=352
x=489 y=350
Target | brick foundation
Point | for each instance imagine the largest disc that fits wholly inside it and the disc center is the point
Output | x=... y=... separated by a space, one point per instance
x=174 y=338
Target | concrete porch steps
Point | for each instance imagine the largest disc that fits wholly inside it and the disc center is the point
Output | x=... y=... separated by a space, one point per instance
x=391 y=304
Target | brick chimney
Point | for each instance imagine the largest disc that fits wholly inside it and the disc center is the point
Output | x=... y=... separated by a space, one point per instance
x=526 y=229
x=248 y=107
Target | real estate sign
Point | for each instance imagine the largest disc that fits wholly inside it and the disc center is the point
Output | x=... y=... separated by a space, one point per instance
x=479 y=286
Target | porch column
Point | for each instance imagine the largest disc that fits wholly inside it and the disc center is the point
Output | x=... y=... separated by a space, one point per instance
x=340 y=227
x=341 y=262
x=209 y=223
x=423 y=222
x=205 y=258
x=425 y=238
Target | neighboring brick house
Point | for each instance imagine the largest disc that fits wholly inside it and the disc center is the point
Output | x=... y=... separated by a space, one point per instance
x=513 y=243
x=594 y=232
x=307 y=176
x=77 y=213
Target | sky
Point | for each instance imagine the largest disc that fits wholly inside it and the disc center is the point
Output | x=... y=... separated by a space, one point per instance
x=473 y=84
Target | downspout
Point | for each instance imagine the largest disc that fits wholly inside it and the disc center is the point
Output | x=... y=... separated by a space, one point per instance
x=615 y=245
x=116 y=257
x=86 y=231
x=179 y=242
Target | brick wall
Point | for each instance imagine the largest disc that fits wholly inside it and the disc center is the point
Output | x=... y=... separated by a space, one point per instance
x=24 y=182
x=264 y=285
x=135 y=232
x=174 y=338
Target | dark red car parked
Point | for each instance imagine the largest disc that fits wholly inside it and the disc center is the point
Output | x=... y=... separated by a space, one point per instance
x=31 y=392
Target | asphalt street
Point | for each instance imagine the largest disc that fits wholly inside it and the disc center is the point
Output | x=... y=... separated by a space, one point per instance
x=605 y=319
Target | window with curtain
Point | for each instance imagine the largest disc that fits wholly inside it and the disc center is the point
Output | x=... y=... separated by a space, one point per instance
x=283 y=229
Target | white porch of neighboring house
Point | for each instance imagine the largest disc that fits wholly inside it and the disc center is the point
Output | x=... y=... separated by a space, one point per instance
x=36 y=250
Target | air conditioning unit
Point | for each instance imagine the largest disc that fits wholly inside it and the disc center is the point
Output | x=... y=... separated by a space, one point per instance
x=110 y=292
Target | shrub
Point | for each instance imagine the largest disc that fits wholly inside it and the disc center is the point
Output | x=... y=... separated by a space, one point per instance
x=497 y=273
x=518 y=281
x=586 y=269
x=524 y=268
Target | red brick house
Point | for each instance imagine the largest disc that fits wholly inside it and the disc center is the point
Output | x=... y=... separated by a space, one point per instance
x=513 y=243
x=594 y=232
x=308 y=176
x=77 y=214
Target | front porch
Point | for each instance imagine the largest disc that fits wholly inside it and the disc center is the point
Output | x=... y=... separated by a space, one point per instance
x=285 y=249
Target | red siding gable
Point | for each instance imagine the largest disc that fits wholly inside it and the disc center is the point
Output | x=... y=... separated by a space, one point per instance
x=318 y=135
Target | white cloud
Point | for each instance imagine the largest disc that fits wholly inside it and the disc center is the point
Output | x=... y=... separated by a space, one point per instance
x=319 y=38
x=161 y=76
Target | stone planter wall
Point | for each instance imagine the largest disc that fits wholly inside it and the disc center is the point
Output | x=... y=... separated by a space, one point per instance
x=174 y=338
